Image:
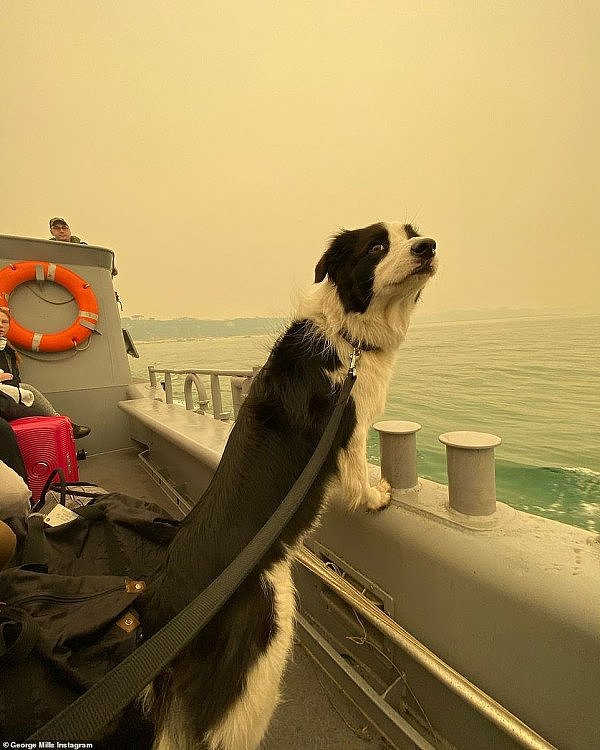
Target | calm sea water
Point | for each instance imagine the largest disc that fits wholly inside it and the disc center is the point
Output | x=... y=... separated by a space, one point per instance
x=534 y=382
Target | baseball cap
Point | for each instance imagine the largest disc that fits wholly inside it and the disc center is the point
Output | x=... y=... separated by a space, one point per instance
x=57 y=220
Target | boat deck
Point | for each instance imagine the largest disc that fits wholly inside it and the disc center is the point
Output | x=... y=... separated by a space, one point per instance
x=313 y=712
x=121 y=471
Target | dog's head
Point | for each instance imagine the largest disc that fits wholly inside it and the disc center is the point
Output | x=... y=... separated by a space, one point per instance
x=388 y=260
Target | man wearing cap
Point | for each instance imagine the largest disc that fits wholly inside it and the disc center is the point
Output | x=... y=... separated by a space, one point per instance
x=60 y=231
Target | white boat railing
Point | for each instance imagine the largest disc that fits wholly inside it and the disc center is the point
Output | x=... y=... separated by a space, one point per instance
x=239 y=382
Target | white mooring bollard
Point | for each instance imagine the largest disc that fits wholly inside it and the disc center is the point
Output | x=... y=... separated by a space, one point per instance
x=398 y=451
x=471 y=471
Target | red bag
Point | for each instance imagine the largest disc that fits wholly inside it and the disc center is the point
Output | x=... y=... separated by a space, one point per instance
x=46 y=443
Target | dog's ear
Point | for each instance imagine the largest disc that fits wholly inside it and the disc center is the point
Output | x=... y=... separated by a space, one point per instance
x=339 y=249
x=321 y=269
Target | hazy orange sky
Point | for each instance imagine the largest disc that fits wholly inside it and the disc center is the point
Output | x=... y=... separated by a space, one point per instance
x=215 y=146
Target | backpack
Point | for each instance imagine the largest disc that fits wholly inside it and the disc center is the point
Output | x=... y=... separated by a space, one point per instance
x=67 y=603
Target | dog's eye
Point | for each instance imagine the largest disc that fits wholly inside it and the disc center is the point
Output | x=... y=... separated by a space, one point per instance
x=376 y=249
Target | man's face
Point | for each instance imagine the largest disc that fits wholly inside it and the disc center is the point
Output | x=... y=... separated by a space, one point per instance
x=61 y=231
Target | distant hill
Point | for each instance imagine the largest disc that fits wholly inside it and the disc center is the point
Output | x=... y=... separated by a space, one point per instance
x=152 y=329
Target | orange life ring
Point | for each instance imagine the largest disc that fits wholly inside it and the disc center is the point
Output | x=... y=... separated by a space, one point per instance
x=87 y=317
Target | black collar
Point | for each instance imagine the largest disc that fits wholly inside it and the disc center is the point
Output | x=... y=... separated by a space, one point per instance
x=362 y=346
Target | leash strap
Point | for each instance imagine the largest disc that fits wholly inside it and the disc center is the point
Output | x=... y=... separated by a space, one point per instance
x=36 y=552
x=90 y=713
x=56 y=475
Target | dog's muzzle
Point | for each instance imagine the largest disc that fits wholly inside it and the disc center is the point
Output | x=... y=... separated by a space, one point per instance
x=423 y=248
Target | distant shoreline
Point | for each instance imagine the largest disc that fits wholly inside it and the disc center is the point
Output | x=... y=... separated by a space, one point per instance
x=153 y=331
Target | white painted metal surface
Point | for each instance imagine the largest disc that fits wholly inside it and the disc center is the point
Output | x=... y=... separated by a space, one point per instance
x=398 y=450
x=471 y=475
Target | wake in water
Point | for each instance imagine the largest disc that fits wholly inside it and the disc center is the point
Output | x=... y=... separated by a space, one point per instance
x=567 y=494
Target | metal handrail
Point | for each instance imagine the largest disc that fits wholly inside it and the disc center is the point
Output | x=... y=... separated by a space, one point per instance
x=239 y=382
x=484 y=704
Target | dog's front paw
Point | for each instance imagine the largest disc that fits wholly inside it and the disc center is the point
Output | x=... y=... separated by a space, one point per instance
x=379 y=497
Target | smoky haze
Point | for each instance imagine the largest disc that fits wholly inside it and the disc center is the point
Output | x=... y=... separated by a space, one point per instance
x=217 y=146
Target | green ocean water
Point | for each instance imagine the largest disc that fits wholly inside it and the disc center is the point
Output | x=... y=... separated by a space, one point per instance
x=534 y=382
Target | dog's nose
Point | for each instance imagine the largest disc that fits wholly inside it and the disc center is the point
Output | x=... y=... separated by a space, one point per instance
x=423 y=247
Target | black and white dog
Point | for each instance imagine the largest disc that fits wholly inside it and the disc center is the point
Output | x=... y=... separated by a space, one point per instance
x=221 y=692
